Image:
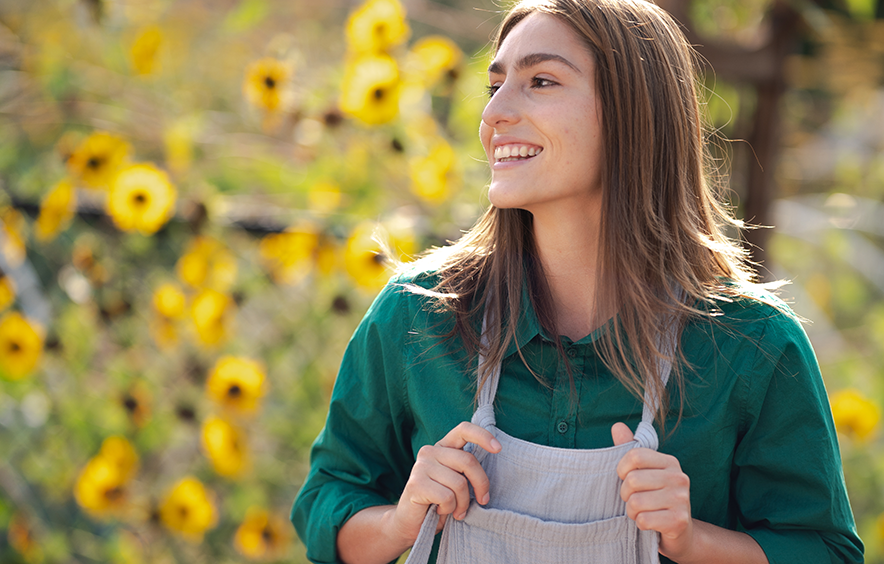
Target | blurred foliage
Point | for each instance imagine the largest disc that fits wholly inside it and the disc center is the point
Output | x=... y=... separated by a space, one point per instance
x=188 y=193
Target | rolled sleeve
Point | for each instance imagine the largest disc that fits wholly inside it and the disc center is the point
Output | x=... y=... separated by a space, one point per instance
x=787 y=479
x=362 y=456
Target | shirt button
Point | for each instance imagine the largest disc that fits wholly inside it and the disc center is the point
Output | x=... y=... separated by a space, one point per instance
x=562 y=427
x=572 y=353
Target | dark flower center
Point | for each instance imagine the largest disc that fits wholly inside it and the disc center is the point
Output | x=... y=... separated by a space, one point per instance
x=139 y=199
x=94 y=162
x=114 y=494
x=14 y=347
x=130 y=403
x=234 y=391
x=268 y=535
x=269 y=82
x=378 y=94
x=183 y=511
x=379 y=258
x=380 y=29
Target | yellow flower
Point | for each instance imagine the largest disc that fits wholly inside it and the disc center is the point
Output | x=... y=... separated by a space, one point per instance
x=209 y=313
x=324 y=197
x=136 y=401
x=433 y=58
x=370 y=89
x=101 y=486
x=207 y=264
x=188 y=510
x=430 y=175
x=289 y=256
x=178 y=142
x=236 y=383
x=13 y=225
x=56 y=211
x=225 y=446
x=145 y=49
x=96 y=160
x=880 y=526
x=364 y=258
x=854 y=414
x=121 y=454
x=169 y=301
x=267 y=84
x=7 y=291
x=163 y=331
x=20 y=346
x=141 y=199
x=376 y=26
x=262 y=536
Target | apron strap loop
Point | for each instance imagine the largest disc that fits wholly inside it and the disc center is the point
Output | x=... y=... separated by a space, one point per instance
x=423 y=545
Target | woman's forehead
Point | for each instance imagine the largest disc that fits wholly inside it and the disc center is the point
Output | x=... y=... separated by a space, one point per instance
x=538 y=38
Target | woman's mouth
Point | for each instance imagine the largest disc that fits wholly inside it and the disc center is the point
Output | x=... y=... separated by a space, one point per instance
x=515 y=152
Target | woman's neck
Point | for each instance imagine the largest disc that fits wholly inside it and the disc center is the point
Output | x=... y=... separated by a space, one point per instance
x=568 y=248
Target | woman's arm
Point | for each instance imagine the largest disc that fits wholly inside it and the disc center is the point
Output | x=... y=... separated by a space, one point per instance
x=442 y=475
x=657 y=496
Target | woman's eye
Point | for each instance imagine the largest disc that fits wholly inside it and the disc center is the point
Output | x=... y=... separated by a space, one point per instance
x=538 y=82
x=491 y=89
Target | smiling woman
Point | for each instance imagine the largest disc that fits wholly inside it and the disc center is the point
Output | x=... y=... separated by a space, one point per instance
x=590 y=374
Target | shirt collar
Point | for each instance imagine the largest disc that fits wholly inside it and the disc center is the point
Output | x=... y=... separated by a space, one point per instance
x=528 y=325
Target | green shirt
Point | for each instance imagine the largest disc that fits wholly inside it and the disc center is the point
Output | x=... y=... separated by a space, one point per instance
x=756 y=439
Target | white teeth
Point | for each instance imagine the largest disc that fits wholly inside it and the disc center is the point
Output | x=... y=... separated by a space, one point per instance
x=515 y=151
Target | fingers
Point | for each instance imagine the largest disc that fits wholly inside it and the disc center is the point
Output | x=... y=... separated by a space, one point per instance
x=621 y=434
x=467 y=432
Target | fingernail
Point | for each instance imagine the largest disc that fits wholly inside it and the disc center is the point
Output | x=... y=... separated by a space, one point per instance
x=485 y=499
x=495 y=445
x=460 y=516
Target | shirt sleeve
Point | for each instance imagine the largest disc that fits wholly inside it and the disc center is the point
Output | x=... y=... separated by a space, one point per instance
x=788 y=483
x=362 y=457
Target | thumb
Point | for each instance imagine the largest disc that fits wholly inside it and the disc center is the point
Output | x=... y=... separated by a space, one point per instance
x=621 y=434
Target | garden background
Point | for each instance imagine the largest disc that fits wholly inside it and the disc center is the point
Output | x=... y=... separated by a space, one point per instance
x=188 y=190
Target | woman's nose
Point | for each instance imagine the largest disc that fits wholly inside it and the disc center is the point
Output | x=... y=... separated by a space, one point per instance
x=501 y=108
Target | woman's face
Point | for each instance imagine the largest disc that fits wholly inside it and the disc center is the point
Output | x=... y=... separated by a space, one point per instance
x=542 y=127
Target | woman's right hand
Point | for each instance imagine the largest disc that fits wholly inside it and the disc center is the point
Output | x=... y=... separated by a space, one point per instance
x=441 y=475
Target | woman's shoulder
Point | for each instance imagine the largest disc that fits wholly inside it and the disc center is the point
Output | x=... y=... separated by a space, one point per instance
x=754 y=313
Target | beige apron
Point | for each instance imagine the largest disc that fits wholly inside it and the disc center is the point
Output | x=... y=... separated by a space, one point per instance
x=548 y=505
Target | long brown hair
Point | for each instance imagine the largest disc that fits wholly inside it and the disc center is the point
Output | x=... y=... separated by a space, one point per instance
x=663 y=247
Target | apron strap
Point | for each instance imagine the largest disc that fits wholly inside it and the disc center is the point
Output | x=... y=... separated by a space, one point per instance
x=423 y=545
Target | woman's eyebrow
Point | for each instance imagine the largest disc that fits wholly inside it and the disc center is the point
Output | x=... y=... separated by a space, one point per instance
x=496 y=67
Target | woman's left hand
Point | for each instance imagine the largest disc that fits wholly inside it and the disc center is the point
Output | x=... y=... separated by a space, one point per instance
x=657 y=495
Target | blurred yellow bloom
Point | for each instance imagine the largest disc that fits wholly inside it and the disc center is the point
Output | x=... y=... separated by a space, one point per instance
x=188 y=510
x=430 y=175
x=262 y=536
x=101 y=486
x=56 y=211
x=178 y=141
x=226 y=447
x=324 y=197
x=13 y=225
x=854 y=414
x=289 y=256
x=209 y=312
x=121 y=454
x=433 y=58
x=21 y=539
x=880 y=527
x=96 y=160
x=145 y=49
x=141 y=199
x=136 y=401
x=364 y=259
x=20 y=346
x=169 y=300
x=236 y=383
x=376 y=26
x=370 y=89
x=207 y=264
x=267 y=82
x=7 y=291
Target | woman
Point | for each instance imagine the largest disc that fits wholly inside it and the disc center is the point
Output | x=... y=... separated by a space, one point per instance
x=600 y=270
